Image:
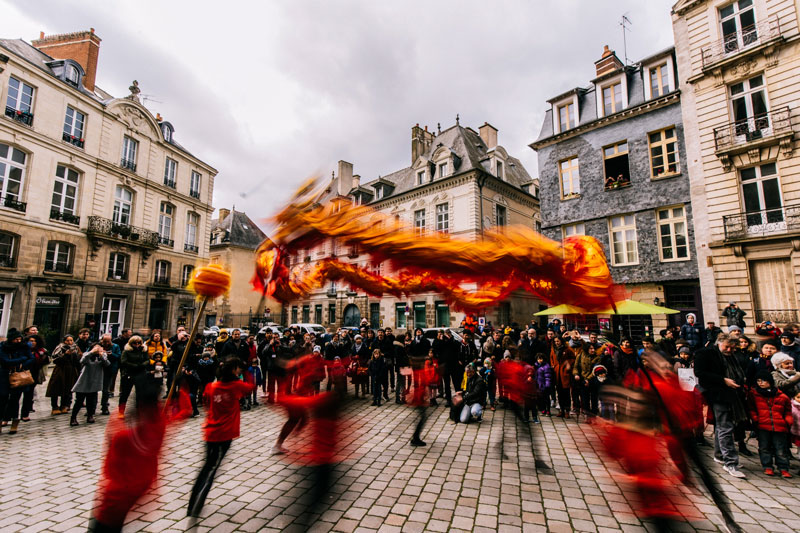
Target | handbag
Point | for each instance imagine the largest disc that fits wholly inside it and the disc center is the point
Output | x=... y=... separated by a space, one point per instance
x=20 y=378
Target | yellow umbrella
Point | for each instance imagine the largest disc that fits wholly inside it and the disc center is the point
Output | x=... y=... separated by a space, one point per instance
x=631 y=307
x=563 y=309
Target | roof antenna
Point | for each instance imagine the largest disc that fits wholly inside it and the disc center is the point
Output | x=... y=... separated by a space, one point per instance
x=457 y=118
x=439 y=127
x=625 y=23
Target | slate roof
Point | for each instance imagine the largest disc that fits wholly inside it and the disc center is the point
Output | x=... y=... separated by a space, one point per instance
x=239 y=231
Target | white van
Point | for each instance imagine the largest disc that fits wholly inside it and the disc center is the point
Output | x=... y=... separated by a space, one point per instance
x=316 y=329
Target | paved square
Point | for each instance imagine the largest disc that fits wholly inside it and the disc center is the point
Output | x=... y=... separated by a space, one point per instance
x=477 y=477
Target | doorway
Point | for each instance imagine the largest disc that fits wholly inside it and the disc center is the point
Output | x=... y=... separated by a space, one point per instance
x=157 y=318
x=49 y=316
x=352 y=316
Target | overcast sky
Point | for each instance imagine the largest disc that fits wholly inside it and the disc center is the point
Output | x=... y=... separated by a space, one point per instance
x=272 y=92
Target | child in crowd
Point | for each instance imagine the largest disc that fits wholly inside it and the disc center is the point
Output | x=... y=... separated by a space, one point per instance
x=599 y=376
x=377 y=367
x=545 y=380
x=530 y=394
x=206 y=368
x=430 y=374
x=157 y=370
x=489 y=375
x=771 y=412
x=255 y=370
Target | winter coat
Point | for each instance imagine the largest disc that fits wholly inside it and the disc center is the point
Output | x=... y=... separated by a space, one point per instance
x=401 y=359
x=770 y=409
x=562 y=361
x=67 y=360
x=91 y=378
x=792 y=350
x=757 y=365
x=39 y=365
x=623 y=362
x=693 y=334
x=13 y=356
x=711 y=335
x=795 y=418
x=377 y=367
x=475 y=391
x=207 y=369
x=787 y=384
x=733 y=316
x=709 y=367
x=668 y=346
x=153 y=346
x=134 y=362
x=240 y=351
x=255 y=371
x=584 y=364
x=544 y=376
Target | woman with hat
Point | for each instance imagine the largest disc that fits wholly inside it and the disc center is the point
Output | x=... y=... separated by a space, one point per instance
x=67 y=358
x=15 y=355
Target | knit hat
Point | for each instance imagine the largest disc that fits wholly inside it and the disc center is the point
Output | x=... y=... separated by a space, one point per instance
x=771 y=342
x=13 y=333
x=779 y=358
x=734 y=328
x=691 y=315
x=766 y=375
x=599 y=369
x=685 y=349
x=787 y=335
x=317 y=349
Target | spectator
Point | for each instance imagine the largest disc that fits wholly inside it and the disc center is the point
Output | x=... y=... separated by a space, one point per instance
x=37 y=369
x=711 y=333
x=763 y=362
x=474 y=396
x=237 y=347
x=667 y=343
x=490 y=378
x=15 y=355
x=585 y=362
x=66 y=358
x=768 y=329
x=692 y=333
x=785 y=377
x=113 y=355
x=789 y=347
x=562 y=360
x=155 y=343
x=377 y=369
x=255 y=370
x=360 y=356
x=133 y=371
x=545 y=380
x=89 y=383
x=733 y=316
x=771 y=412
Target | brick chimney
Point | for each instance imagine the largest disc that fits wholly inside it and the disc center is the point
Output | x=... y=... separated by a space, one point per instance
x=608 y=62
x=82 y=46
x=489 y=135
x=345 y=178
x=223 y=213
x=421 y=140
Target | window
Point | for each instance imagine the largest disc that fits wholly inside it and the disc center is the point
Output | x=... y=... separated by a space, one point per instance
x=659 y=80
x=567 y=117
x=672 y=237
x=420 y=177
x=400 y=316
x=192 y=221
x=763 y=202
x=170 y=170
x=570 y=178
x=499 y=169
x=623 y=240
x=537 y=225
x=8 y=251
x=443 y=218
x=615 y=163
x=378 y=192
x=186 y=274
x=73 y=127
x=318 y=314
x=331 y=313
x=5 y=311
x=306 y=314
x=750 y=109
x=738 y=25
x=442 y=314
x=501 y=217
x=612 y=98
x=663 y=153
x=72 y=75
x=113 y=315
x=129 y=147
x=162 y=272
x=123 y=205
x=118 y=266
x=194 y=185
x=12 y=175
x=65 y=194
x=167 y=133
x=165 y=223
x=59 y=257
x=419 y=222
x=570 y=230
x=442 y=170
x=294 y=314
x=20 y=96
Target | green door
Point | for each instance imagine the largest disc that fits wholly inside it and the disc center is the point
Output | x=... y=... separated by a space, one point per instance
x=420 y=319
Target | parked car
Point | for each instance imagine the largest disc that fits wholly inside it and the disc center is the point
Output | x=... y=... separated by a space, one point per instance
x=316 y=329
x=270 y=326
x=211 y=331
x=430 y=333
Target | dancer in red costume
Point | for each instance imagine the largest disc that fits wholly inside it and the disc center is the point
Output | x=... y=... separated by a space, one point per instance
x=424 y=378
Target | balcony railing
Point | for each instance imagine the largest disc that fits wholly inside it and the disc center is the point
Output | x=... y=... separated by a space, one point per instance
x=331 y=292
x=762 y=223
x=778 y=316
x=60 y=268
x=12 y=203
x=190 y=248
x=749 y=37
x=77 y=141
x=166 y=242
x=6 y=261
x=130 y=164
x=775 y=122
x=161 y=281
x=104 y=227
x=20 y=116
x=194 y=194
x=69 y=218
x=169 y=183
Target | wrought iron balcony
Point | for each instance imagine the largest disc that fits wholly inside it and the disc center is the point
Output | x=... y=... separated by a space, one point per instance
x=762 y=223
x=194 y=194
x=130 y=164
x=331 y=292
x=20 y=116
x=69 y=218
x=77 y=141
x=778 y=316
x=60 y=268
x=190 y=248
x=166 y=241
x=105 y=228
x=747 y=38
x=764 y=126
x=12 y=203
x=161 y=281
x=169 y=183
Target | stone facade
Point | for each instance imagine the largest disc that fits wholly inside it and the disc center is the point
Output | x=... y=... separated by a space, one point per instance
x=740 y=106
x=643 y=193
x=115 y=207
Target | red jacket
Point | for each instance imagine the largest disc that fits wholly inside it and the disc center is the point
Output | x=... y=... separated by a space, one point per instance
x=770 y=413
x=222 y=420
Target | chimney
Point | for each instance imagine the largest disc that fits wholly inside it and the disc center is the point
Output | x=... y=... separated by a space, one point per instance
x=223 y=213
x=421 y=140
x=345 y=178
x=489 y=135
x=82 y=46
x=609 y=62
x=356 y=181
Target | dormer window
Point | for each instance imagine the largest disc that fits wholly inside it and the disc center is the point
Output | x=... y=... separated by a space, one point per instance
x=612 y=98
x=378 y=193
x=420 y=177
x=499 y=169
x=442 y=169
x=167 y=135
x=72 y=75
x=167 y=130
x=566 y=116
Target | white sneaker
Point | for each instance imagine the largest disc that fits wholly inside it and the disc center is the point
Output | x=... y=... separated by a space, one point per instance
x=720 y=461
x=733 y=471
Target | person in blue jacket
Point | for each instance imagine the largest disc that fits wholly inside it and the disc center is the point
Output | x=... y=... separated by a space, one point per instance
x=15 y=355
x=692 y=333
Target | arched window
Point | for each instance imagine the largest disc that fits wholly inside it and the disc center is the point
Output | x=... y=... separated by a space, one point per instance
x=72 y=75
x=118 y=266
x=12 y=176
x=59 y=257
x=8 y=249
x=162 y=272
x=123 y=205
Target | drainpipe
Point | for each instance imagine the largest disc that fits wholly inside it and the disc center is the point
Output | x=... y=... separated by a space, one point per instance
x=481 y=182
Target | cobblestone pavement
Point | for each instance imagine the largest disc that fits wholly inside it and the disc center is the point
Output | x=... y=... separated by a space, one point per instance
x=477 y=477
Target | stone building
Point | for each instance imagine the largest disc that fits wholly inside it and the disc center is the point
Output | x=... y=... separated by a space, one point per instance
x=612 y=165
x=460 y=181
x=234 y=239
x=103 y=214
x=739 y=66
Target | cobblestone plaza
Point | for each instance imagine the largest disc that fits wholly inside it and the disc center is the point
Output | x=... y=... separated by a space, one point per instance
x=476 y=477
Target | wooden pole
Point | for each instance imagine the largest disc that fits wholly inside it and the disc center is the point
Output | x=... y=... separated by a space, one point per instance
x=186 y=350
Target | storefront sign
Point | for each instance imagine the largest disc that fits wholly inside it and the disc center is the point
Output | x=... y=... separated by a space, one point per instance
x=51 y=301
